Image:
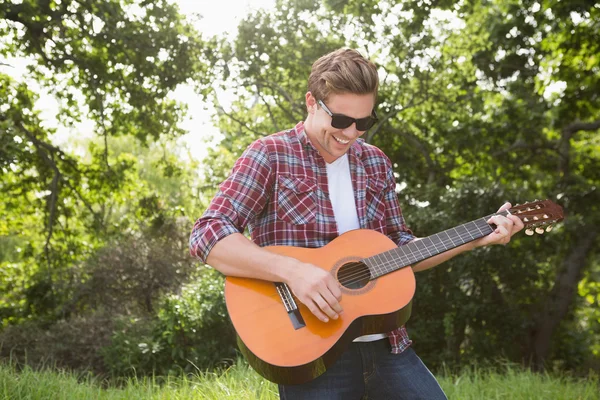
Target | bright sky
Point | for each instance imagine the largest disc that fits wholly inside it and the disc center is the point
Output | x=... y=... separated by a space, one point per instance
x=218 y=18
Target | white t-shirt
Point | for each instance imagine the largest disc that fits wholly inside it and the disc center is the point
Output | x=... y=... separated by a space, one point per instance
x=341 y=194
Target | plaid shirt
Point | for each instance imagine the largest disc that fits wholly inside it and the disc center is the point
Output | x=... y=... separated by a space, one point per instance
x=278 y=189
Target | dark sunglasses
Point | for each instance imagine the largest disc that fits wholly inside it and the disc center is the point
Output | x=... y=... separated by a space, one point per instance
x=341 y=121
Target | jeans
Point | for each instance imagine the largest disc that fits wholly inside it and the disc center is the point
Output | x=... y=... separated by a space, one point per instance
x=369 y=371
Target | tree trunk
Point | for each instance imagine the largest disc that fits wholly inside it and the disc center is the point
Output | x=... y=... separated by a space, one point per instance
x=561 y=297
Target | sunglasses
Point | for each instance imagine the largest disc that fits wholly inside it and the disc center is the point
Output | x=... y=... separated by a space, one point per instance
x=341 y=121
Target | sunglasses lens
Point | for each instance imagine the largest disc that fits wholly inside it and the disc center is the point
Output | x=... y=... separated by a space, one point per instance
x=365 y=123
x=341 y=121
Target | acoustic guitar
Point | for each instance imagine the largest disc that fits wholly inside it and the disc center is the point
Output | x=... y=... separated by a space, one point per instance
x=285 y=343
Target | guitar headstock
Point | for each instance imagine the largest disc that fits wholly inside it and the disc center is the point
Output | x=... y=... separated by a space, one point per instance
x=538 y=216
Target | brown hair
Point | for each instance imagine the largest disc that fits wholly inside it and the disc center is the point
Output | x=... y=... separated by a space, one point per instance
x=342 y=71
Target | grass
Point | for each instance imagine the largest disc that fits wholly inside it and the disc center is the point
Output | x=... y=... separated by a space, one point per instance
x=240 y=382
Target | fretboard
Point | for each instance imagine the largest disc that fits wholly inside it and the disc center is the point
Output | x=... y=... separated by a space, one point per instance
x=430 y=246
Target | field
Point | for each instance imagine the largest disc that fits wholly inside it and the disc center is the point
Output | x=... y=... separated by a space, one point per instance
x=240 y=382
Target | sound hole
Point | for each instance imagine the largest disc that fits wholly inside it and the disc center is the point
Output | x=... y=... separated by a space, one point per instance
x=354 y=275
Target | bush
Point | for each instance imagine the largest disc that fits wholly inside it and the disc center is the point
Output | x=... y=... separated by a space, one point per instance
x=191 y=330
x=73 y=343
x=132 y=350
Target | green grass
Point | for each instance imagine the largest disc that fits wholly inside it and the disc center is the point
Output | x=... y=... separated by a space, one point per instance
x=515 y=383
x=239 y=382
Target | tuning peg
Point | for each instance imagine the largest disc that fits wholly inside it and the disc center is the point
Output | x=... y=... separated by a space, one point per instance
x=549 y=228
x=525 y=219
x=539 y=230
x=529 y=232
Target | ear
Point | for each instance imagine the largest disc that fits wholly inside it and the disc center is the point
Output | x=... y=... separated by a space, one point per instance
x=311 y=103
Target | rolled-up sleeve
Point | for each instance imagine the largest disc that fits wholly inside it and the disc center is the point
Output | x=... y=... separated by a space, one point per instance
x=240 y=198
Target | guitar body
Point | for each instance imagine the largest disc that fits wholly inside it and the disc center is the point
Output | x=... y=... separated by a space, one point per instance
x=284 y=353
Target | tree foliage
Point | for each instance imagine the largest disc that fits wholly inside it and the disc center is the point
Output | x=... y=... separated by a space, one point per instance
x=115 y=64
x=480 y=102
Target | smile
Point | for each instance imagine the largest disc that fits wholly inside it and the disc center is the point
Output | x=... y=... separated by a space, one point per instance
x=340 y=140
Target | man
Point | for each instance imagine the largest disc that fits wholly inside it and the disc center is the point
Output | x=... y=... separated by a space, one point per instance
x=306 y=186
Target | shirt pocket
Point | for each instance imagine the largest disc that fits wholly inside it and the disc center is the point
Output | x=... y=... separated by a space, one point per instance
x=375 y=198
x=296 y=200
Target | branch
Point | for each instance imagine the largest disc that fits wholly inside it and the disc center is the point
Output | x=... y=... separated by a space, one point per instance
x=564 y=146
x=379 y=124
x=422 y=149
x=285 y=94
x=44 y=149
x=389 y=115
x=577 y=126
x=268 y=108
x=242 y=124
x=522 y=145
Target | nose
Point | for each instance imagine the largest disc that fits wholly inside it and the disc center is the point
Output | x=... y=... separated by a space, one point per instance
x=351 y=132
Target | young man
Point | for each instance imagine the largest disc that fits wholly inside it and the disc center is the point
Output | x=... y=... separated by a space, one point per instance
x=306 y=186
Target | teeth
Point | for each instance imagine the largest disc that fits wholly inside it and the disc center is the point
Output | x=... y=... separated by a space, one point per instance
x=341 y=141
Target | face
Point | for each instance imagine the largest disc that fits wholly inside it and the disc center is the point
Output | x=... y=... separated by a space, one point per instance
x=331 y=142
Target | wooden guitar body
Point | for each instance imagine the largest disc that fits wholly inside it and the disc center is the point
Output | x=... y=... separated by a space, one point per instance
x=285 y=354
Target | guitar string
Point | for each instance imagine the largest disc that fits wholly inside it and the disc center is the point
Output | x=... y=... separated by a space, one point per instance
x=394 y=262
x=359 y=275
x=421 y=251
x=350 y=279
x=406 y=258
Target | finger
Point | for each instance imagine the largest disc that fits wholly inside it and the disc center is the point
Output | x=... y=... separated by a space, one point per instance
x=332 y=301
x=334 y=288
x=502 y=234
x=500 y=220
x=517 y=223
x=314 y=308
x=505 y=206
x=324 y=307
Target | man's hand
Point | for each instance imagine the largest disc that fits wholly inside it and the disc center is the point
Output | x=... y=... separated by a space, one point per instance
x=506 y=227
x=317 y=289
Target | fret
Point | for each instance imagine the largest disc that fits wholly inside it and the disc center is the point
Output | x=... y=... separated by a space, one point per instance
x=440 y=243
x=404 y=258
x=472 y=232
x=375 y=265
x=458 y=235
x=431 y=244
x=477 y=226
x=382 y=268
x=451 y=240
x=418 y=245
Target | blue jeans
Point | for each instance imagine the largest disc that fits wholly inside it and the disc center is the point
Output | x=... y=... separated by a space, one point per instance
x=369 y=371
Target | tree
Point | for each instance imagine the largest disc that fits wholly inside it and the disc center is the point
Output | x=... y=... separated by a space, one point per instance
x=469 y=119
x=115 y=63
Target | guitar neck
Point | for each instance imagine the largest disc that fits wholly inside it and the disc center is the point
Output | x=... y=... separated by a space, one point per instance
x=430 y=246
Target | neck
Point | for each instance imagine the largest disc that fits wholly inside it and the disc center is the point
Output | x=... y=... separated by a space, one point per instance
x=419 y=250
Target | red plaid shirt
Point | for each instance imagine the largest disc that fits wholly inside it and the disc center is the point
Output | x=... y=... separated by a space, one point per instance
x=278 y=189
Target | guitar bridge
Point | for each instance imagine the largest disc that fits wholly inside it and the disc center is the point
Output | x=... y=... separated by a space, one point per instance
x=290 y=305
